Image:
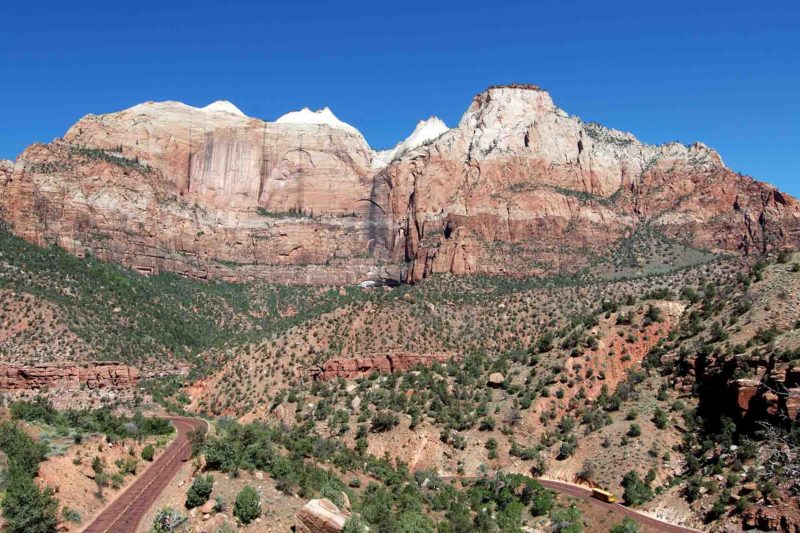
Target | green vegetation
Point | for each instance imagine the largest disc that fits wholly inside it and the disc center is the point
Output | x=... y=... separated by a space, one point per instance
x=26 y=507
x=111 y=156
x=248 y=505
x=199 y=491
x=102 y=420
x=637 y=491
x=294 y=212
x=125 y=316
x=168 y=520
x=148 y=452
x=628 y=525
x=398 y=501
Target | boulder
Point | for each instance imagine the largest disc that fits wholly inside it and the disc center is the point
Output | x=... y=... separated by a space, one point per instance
x=496 y=380
x=321 y=516
x=208 y=507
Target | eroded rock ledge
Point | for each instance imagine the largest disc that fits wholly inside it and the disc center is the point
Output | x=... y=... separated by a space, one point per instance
x=99 y=375
x=355 y=367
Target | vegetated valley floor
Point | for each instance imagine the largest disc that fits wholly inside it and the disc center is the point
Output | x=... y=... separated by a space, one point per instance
x=605 y=373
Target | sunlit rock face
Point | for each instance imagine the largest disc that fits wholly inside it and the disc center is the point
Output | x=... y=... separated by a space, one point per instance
x=521 y=187
x=518 y=187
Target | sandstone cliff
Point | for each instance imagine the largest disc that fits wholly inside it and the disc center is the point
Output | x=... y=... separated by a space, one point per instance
x=519 y=171
x=69 y=377
x=518 y=187
x=356 y=367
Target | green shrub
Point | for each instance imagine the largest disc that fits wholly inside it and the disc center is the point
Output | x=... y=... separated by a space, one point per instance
x=636 y=491
x=168 y=520
x=542 y=503
x=383 y=421
x=26 y=507
x=200 y=491
x=148 y=452
x=248 y=505
x=628 y=525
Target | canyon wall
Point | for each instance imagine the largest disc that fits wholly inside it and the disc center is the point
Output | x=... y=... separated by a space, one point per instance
x=99 y=375
x=519 y=187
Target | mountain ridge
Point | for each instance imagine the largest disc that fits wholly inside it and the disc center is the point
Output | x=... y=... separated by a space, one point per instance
x=519 y=187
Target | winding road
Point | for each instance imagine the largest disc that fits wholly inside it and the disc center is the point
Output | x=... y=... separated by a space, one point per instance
x=586 y=494
x=126 y=511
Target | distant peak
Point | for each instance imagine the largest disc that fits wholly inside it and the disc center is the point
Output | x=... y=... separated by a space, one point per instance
x=426 y=130
x=322 y=116
x=224 y=106
x=523 y=86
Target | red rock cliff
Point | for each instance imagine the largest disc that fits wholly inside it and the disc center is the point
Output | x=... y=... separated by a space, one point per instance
x=519 y=187
x=95 y=376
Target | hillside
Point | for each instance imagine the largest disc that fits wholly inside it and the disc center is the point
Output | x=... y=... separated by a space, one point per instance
x=415 y=339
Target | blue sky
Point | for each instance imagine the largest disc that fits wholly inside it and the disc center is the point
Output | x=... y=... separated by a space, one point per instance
x=726 y=73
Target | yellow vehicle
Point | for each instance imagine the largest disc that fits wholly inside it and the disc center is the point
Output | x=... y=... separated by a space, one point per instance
x=603 y=495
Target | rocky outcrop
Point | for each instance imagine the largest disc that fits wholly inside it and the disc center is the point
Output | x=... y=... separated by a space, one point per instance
x=519 y=187
x=355 y=367
x=783 y=517
x=99 y=375
x=168 y=187
x=496 y=380
x=321 y=516
x=519 y=170
x=773 y=390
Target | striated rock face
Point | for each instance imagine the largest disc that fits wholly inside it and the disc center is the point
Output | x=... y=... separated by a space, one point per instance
x=321 y=516
x=518 y=187
x=71 y=377
x=520 y=171
x=206 y=193
x=355 y=367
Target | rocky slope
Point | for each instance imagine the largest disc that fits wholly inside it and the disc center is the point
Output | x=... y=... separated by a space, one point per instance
x=518 y=187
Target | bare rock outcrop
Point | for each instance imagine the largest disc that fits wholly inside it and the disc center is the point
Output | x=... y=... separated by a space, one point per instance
x=168 y=187
x=321 y=516
x=355 y=367
x=521 y=171
x=99 y=375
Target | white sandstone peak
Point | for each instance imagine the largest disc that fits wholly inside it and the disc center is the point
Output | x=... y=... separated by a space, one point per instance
x=426 y=130
x=321 y=116
x=224 y=106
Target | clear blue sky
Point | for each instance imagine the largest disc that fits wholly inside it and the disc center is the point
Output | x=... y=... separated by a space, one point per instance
x=726 y=73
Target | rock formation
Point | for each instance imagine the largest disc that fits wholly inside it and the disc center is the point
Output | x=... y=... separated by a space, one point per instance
x=519 y=187
x=321 y=516
x=99 y=375
x=519 y=171
x=355 y=367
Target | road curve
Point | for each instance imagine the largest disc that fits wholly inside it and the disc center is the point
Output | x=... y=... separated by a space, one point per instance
x=126 y=511
x=586 y=494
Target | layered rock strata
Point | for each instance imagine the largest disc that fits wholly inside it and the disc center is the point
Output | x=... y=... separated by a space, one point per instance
x=519 y=187
x=71 y=377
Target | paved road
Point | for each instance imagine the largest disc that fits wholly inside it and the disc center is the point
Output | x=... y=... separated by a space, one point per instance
x=586 y=494
x=126 y=511
x=577 y=491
